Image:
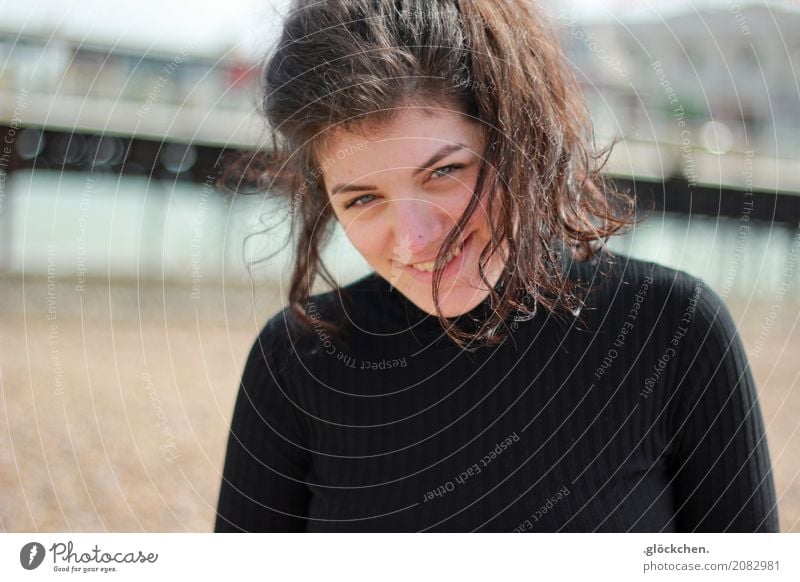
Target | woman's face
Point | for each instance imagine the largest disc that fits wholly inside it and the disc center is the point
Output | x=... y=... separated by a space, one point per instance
x=399 y=190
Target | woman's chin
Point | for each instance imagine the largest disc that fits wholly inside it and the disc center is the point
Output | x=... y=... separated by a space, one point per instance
x=455 y=302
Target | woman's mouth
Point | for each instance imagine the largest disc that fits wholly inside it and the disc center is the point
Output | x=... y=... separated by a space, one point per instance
x=428 y=267
x=424 y=271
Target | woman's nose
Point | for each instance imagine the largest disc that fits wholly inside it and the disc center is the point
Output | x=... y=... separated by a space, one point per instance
x=419 y=226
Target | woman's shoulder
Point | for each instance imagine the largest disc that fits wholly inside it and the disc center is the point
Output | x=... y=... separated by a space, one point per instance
x=670 y=295
x=621 y=279
x=283 y=333
x=620 y=271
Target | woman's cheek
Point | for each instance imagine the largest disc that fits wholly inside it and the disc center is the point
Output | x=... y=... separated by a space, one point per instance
x=363 y=238
x=463 y=199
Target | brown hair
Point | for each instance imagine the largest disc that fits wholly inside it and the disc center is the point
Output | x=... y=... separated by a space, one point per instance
x=341 y=63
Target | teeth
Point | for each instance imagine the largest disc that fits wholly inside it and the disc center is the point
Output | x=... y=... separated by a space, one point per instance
x=428 y=267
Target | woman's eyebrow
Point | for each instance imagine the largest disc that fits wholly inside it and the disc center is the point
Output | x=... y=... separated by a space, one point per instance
x=442 y=153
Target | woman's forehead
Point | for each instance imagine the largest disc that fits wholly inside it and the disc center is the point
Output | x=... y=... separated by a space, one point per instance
x=410 y=128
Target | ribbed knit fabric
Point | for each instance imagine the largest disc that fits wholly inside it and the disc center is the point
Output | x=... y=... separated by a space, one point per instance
x=638 y=414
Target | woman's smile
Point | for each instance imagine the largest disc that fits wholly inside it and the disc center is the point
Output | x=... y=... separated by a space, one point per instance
x=423 y=272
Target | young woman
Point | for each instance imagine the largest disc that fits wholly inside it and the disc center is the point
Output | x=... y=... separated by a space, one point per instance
x=499 y=370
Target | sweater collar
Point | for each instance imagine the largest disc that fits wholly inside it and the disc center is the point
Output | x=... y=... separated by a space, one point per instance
x=404 y=316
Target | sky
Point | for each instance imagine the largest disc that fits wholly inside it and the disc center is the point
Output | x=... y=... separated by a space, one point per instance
x=214 y=26
x=202 y=26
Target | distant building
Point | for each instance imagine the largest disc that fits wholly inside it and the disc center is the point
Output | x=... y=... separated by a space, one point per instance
x=77 y=85
x=736 y=63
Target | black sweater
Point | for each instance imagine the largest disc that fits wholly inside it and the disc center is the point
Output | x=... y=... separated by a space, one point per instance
x=638 y=414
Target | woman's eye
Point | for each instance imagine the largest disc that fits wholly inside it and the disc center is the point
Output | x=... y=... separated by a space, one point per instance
x=442 y=172
x=445 y=170
x=357 y=201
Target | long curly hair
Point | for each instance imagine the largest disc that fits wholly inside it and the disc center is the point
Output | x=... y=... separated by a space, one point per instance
x=344 y=63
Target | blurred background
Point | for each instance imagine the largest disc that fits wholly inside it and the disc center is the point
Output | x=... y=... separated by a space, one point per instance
x=126 y=304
